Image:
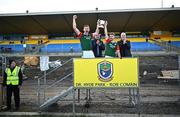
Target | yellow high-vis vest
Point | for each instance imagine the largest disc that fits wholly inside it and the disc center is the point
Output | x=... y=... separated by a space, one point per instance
x=12 y=77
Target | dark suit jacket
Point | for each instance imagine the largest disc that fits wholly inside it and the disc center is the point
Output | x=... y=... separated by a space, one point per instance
x=125 y=49
x=97 y=48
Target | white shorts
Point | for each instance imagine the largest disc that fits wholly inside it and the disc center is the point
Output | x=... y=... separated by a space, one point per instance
x=109 y=57
x=88 y=54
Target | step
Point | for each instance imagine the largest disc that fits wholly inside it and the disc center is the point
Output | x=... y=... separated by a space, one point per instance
x=56 y=98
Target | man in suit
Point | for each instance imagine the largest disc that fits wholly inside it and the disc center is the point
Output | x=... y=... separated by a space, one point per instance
x=97 y=46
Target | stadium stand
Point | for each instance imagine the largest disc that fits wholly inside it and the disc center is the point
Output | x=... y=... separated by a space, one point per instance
x=61 y=48
x=175 y=43
x=144 y=46
x=73 y=45
x=11 y=48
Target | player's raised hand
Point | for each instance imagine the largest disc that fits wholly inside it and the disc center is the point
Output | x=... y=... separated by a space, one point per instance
x=74 y=16
x=98 y=22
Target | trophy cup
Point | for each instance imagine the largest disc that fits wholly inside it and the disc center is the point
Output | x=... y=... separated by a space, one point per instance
x=101 y=23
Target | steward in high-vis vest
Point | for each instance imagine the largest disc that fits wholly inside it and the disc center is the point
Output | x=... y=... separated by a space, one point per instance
x=12 y=80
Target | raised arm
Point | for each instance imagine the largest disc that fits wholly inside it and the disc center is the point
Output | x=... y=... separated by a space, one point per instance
x=97 y=28
x=76 y=30
x=105 y=30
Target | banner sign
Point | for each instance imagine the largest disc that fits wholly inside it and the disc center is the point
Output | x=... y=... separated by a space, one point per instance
x=105 y=72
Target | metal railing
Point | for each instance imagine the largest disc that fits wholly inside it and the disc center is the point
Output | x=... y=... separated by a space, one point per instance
x=60 y=80
x=166 y=45
x=56 y=68
x=45 y=87
x=3 y=67
x=36 y=49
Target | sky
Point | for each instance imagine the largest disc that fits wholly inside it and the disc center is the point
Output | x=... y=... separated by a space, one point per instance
x=20 y=6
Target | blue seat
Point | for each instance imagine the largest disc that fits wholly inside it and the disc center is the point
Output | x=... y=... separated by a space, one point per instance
x=175 y=43
x=14 y=47
x=144 y=46
x=135 y=46
x=61 y=48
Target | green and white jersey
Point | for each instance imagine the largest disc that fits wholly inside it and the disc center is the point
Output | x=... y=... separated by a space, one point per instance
x=110 y=48
x=85 y=41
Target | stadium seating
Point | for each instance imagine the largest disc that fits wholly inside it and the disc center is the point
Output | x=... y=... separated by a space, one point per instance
x=61 y=48
x=175 y=43
x=135 y=46
x=144 y=46
x=76 y=47
x=12 y=47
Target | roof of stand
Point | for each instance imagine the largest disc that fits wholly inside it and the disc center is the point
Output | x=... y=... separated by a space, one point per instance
x=118 y=20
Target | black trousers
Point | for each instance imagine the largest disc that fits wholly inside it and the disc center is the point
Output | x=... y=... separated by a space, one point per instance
x=11 y=89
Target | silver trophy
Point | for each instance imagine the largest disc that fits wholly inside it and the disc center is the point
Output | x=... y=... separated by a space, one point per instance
x=101 y=23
